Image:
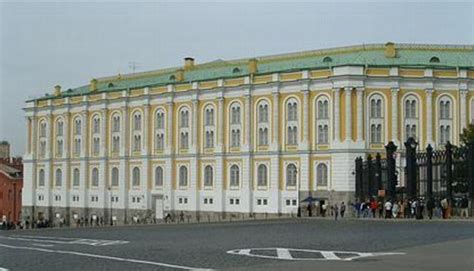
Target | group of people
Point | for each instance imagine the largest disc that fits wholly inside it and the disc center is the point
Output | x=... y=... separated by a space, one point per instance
x=410 y=208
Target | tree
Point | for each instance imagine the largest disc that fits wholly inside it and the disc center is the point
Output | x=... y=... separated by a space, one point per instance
x=467 y=134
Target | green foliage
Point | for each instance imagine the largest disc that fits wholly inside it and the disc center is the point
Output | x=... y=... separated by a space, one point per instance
x=467 y=134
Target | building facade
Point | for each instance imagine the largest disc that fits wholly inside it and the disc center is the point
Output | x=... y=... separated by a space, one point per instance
x=11 y=184
x=242 y=136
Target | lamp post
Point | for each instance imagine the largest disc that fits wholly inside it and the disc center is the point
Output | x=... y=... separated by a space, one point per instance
x=411 y=167
x=111 y=201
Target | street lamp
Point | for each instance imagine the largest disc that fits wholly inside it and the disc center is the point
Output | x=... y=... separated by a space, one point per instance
x=111 y=201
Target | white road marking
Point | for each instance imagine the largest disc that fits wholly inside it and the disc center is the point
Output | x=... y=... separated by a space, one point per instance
x=104 y=257
x=329 y=255
x=320 y=255
x=42 y=245
x=64 y=240
x=284 y=253
x=3 y=269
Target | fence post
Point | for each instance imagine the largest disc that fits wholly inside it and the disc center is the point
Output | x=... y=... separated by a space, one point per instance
x=411 y=167
x=369 y=181
x=429 y=172
x=391 y=148
x=470 y=165
x=378 y=175
x=449 y=171
x=358 y=173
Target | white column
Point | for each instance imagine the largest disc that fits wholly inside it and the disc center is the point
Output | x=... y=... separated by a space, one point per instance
x=348 y=105
x=305 y=141
x=220 y=124
x=462 y=107
x=85 y=134
x=67 y=135
x=360 y=113
x=194 y=126
x=395 y=115
x=169 y=128
x=103 y=134
x=276 y=119
x=248 y=122
x=337 y=114
x=429 y=116
x=146 y=129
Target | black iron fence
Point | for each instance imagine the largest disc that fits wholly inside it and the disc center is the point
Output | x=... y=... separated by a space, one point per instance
x=427 y=173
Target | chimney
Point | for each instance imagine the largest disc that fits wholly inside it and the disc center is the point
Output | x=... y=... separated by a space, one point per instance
x=93 y=86
x=188 y=63
x=252 y=65
x=179 y=75
x=57 y=90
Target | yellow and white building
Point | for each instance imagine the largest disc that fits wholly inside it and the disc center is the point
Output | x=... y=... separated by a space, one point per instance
x=242 y=136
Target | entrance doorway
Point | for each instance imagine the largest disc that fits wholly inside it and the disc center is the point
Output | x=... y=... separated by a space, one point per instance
x=159 y=209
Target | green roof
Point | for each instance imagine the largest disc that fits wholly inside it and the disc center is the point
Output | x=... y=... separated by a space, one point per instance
x=407 y=55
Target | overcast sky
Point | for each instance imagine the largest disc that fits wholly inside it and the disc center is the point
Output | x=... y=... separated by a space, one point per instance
x=44 y=44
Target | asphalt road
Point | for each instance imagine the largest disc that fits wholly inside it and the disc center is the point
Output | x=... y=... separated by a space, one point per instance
x=304 y=244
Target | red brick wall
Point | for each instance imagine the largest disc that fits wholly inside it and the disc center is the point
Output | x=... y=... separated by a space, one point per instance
x=10 y=198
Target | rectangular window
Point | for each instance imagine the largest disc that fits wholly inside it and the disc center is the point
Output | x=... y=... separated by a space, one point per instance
x=237 y=201
x=231 y=201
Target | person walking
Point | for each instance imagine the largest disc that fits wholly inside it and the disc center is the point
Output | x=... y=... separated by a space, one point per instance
x=310 y=210
x=373 y=207
x=336 y=211
x=444 y=207
x=395 y=209
x=464 y=207
x=430 y=206
x=343 y=209
x=388 y=209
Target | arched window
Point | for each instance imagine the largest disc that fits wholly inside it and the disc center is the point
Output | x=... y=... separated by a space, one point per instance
x=136 y=176
x=96 y=125
x=159 y=142
x=183 y=176
x=235 y=114
x=292 y=135
x=160 y=120
x=376 y=133
x=376 y=118
x=75 y=177
x=115 y=144
x=262 y=178
x=209 y=139
x=434 y=59
x=59 y=128
x=137 y=143
x=184 y=140
x=323 y=109
x=322 y=175
x=327 y=59
x=445 y=108
x=235 y=138
x=234 y=175
x=291 y=175
x=184 y=118
x=410 y=119
x=95 y=177
x=263 y=113
x=41 y=178
x=208 y=176
x=42 y=132
x=59 y=177
x=116 y=123
x=137 y=122
x=115 y=177
x=292 y=111
x=77 y=126
x=263 y=137
x=376 y=107
x=158 y=176
x=209 y=120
